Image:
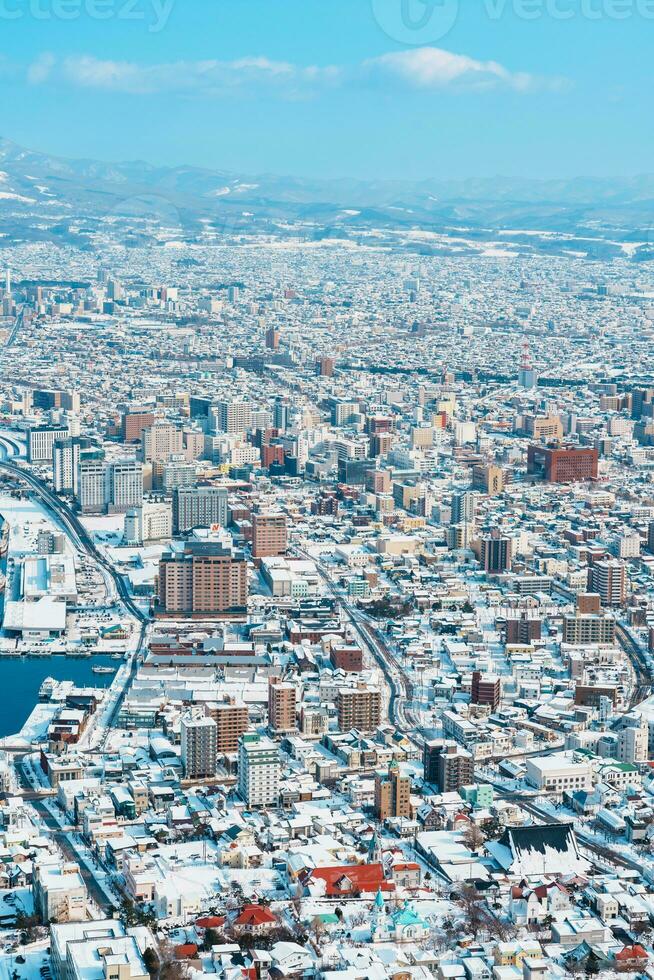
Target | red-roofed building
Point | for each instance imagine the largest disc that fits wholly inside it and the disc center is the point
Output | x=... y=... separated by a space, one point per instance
x=211 y=922
x=406 y=874
x=256 y=919
x=187 y=951
x=352 y=880
x=631 y=954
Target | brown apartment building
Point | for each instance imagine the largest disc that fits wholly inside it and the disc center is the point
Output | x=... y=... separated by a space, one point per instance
x=392 y=794
x=269 y=537
x=203 y=578
x=358 y=707
x=133 y=423
x=282 y=698
x=231 y=718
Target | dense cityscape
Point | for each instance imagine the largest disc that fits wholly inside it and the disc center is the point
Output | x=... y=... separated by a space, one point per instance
x=359 y=545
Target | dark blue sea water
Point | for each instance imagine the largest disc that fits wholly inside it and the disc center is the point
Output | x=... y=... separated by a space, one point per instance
x=21 y=678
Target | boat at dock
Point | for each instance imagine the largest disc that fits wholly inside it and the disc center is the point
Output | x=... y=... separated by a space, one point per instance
x=47 y=689
x=103 y=670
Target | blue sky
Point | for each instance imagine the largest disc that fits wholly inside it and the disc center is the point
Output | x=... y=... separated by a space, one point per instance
x=361 y=88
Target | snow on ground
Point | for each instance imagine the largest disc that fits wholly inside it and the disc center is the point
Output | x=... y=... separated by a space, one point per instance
x=36 y=726
x=34 y=958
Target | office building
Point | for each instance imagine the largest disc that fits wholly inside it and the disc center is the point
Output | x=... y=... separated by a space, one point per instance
x=199 y=746
x=91 y=485
x=280 y=414
x=123 y=485
x=269 y=537
x=392 y=793
x=41 y=440
x=281 y=705
x=258 y=770
x=150 y=522
x=488 y=479
x=133 y=423
x=358 y=707
x=199 y=507
x=161 y=441
x=447 y=765
x=202 y=578
x=565 y=465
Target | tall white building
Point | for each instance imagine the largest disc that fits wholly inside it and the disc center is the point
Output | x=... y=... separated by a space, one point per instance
x=199 y=736
x=232 y=416
x=199 y=507
x=65 y=463
x=91 y=486
x=258 y=770
x=41 y=440
x=123 y=485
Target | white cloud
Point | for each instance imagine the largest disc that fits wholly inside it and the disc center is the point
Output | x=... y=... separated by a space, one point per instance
x=431 y=68
x=40 y=69
x=208 y=77
x=422 y=68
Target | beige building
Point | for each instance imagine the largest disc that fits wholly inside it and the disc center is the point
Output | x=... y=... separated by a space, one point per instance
x=59 y=892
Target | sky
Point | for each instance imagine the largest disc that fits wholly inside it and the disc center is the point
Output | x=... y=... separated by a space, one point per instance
x=369 y=89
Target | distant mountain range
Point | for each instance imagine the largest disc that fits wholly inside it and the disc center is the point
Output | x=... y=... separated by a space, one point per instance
x=43 y=196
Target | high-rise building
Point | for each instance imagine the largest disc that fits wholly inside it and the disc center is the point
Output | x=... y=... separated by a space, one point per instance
x=358 y=707
x=609 y=579
x=133 y=422
x=496 y=553
x=325 y=366
x=231 y=718
x=269 y=536
x=199 y=507
x=486 y=689
x=204 y=577
x=282 y=697
x=65 y=465
x=40 y=442
x=392 y=793
x=272 y=338
x=258 y=770
x=464 y=508
x=199 y=741
x=91 y=485
x=280 y=414
x=523 y=629
x=448 y=766
x=232 y=416
x=124 y=485
x=161 y=441
x=489 y=479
